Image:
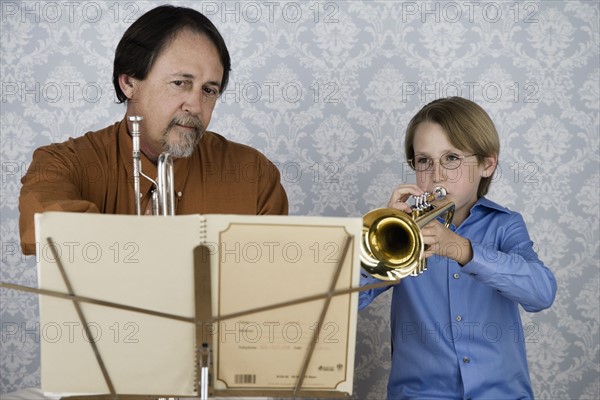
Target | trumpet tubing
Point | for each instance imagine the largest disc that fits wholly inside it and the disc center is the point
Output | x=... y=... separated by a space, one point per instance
x=137 y=164
x=392 y=245
x=163 y=195
x=165 y=183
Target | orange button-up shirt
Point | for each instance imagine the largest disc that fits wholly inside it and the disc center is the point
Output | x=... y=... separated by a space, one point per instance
x=94 y=173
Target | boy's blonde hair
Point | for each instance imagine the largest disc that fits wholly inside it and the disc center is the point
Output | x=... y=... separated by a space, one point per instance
x=468 y=126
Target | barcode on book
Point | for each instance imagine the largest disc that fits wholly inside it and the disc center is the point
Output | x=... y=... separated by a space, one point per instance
x=245 y=378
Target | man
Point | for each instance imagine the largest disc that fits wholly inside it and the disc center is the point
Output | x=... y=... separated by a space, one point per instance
x=170 y=67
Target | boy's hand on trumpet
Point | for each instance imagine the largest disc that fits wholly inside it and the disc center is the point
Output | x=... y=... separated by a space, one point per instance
x=440 y=240
x=437 y=238
x=403 y=193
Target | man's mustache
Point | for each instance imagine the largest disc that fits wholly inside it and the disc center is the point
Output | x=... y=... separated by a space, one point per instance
x=190 y=121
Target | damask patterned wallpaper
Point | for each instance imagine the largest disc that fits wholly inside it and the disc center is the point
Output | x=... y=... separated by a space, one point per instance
x=326 y=89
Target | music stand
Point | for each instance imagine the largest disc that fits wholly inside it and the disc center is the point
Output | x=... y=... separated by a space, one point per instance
x=203 y=319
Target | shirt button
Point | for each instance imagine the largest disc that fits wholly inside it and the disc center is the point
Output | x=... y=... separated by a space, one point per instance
x=458 y=318
x=456 y=276
x=466 y=360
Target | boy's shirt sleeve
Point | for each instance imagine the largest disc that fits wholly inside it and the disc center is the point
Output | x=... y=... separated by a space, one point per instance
x=513 y=267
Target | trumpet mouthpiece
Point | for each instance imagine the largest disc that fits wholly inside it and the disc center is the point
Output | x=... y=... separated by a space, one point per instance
x=438 y=193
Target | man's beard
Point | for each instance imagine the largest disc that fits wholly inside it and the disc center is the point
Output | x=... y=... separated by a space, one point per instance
x=182 y=144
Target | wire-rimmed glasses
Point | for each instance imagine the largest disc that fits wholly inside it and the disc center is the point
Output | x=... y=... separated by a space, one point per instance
x=448 y=161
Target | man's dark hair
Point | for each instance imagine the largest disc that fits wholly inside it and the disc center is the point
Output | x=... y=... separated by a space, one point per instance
x=146 y=38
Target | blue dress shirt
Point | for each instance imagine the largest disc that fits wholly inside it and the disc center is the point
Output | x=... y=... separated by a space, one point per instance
x=456 y=331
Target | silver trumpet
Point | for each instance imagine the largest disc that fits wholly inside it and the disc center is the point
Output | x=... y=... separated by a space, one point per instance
x=163 y=194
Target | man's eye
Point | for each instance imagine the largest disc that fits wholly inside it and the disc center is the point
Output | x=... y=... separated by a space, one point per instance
x=452 y=157
x=211 y=91
x=179 y=83
x=422 y=160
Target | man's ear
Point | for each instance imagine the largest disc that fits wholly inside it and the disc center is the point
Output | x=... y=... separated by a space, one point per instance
x=489 y=165
x=127 y=85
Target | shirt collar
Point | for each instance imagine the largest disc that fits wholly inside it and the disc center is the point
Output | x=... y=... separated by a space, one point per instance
x=484 y=203
x=481 y=206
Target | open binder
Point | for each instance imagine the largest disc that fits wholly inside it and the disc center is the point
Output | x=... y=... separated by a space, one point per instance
x=266 y=304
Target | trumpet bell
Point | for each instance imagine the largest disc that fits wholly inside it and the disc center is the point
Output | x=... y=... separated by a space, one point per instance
x=392 y=244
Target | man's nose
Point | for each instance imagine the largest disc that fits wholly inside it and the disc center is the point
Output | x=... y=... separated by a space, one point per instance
x=193 y=103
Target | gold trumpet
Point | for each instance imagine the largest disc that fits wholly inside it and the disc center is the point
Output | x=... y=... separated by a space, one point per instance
x=392 y=245
x=163 y=194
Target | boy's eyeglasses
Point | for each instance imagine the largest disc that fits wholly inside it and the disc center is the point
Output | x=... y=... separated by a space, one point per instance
x=448 y=161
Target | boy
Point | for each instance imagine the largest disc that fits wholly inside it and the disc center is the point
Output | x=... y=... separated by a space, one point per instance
x=456 y=329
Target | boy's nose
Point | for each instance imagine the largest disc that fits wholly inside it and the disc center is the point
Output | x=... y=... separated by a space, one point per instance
x=438 y=171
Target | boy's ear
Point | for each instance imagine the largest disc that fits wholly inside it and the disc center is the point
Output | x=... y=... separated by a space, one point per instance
x=489 y=166
x=127 y=85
